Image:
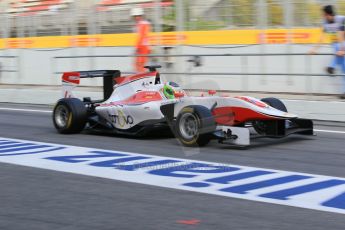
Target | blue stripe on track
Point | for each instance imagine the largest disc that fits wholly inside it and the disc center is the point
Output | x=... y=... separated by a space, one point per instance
x=239 y=176
x=34 y=152
x=286 y=193
x=24 y=148
x=16 y=145
x=336 y=202
x=9 y=142
x=243 y=189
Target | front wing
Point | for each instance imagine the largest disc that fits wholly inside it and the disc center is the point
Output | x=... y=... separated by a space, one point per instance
x=277 y=129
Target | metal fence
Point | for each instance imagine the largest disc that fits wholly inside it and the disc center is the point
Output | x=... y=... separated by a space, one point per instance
x=84 y=17
x=9 y=64
x=306 y=81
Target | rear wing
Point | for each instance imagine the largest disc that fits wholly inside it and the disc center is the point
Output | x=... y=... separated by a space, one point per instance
x=70 y=80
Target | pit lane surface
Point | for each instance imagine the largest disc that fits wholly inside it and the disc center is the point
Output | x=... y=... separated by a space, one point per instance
x=41 y=199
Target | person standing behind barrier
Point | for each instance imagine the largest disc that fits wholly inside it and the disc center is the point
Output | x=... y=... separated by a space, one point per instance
x=334 y=28
x=142 y=47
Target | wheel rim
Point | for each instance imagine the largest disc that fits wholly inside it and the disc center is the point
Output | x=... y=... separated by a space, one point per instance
x=188 y=126
x=61 y=116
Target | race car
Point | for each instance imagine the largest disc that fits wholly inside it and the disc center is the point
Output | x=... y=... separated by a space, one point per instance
x=140 y=103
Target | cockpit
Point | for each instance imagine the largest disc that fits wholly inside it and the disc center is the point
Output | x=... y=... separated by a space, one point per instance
x=172 y=90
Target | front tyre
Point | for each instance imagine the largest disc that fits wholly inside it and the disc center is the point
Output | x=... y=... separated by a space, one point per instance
x=262 y=126
x=69 y=116
x=194 y=126
x=275 y=103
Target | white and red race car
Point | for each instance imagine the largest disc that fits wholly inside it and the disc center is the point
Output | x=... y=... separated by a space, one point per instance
x=141 y=103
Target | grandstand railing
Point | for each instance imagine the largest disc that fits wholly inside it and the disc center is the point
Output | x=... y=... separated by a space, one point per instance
x=77 y=17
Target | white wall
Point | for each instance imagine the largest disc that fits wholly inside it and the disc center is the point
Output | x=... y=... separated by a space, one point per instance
x=38 y=66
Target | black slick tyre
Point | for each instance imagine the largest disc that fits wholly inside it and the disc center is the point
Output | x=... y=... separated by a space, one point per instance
x=69 y=116
x=195 y=125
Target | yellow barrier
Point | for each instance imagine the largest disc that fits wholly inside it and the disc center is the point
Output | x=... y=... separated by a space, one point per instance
x=219 y=37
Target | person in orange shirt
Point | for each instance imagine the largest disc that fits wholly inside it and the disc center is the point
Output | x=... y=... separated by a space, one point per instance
x=142 y=46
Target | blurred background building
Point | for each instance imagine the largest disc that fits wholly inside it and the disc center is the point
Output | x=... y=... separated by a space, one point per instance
x=24 y=18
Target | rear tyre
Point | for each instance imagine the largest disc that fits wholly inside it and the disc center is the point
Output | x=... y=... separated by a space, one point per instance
x=194 y=126
x=261 y=126
x=69 y=116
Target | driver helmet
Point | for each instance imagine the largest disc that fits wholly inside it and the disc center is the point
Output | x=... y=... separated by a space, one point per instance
x=170 y=88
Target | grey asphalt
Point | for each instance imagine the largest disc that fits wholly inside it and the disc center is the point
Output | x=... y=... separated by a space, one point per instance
x=37 y=199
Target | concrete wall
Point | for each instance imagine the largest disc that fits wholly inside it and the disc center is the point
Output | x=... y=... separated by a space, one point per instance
x=38 y=66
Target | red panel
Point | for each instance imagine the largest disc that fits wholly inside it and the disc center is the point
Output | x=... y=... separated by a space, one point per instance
x=109 y=2
x=237 y=115
x=43 y=5
x=71 y=77
x=152 y=4
x=254 y=102
x=139 y=98
x=51 y=2
x=102 y=8
x=179 y=94
x=212 y=92
x=38 y=8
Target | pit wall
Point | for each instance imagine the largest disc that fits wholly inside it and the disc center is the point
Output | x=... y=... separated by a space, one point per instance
x=36 y=63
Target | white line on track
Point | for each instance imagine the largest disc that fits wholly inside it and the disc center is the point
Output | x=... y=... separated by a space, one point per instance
x=48 y=111
x=329 y=131
x=26 y=110
x=328 y=102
